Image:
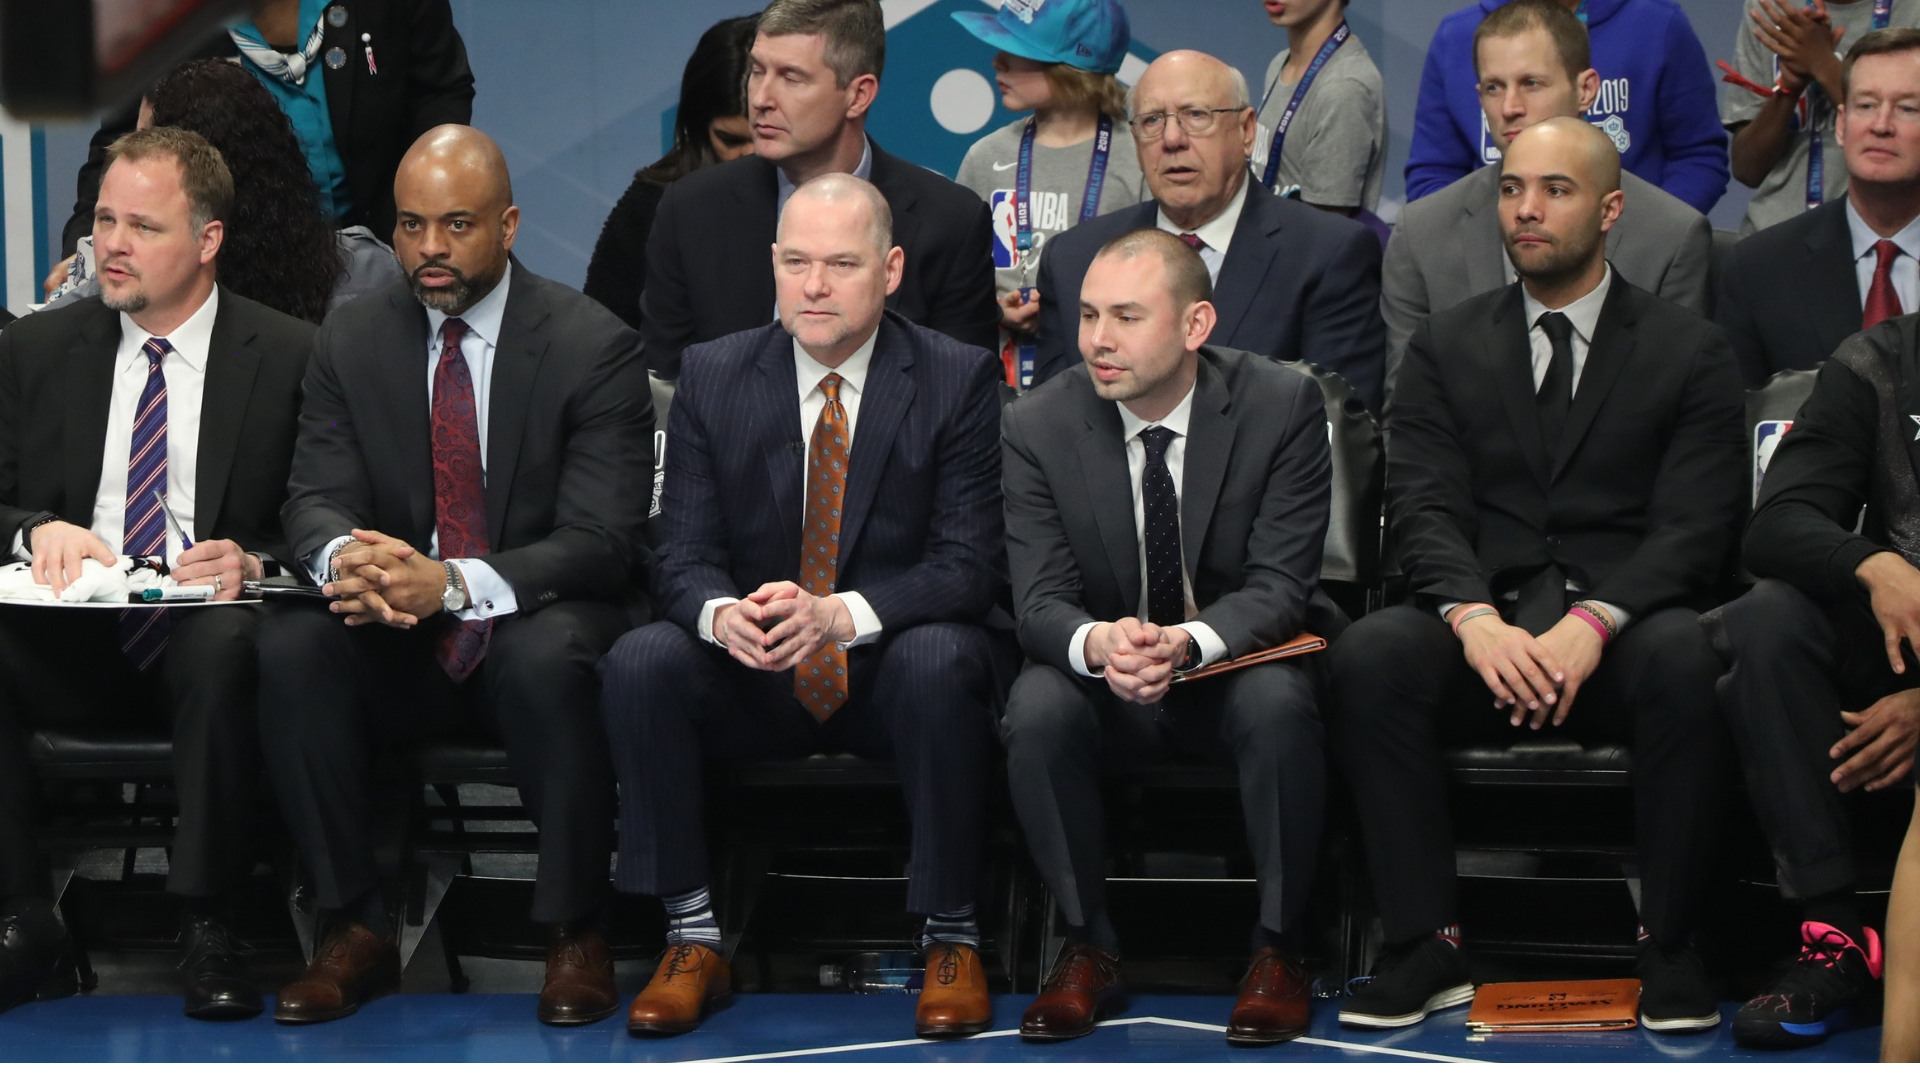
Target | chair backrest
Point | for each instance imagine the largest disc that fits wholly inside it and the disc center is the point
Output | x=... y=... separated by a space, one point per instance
x=1770 y=412
x=662 y=401
x=1724 y=241
x=1352 y=553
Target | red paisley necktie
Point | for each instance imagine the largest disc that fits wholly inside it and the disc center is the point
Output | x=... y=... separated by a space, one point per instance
x=459 y=491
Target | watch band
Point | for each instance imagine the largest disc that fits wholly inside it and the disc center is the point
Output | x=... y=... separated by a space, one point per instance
x=32 y=523
x=455 y=583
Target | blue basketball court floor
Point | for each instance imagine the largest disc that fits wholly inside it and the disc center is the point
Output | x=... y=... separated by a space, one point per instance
x=804 y=1027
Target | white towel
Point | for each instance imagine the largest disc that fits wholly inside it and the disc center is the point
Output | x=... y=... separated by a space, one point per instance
x=97 y=584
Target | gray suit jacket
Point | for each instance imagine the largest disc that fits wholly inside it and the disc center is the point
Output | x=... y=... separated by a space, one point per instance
x=1446 y=248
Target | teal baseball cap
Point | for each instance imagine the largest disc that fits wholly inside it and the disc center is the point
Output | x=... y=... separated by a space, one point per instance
x=1088 y=34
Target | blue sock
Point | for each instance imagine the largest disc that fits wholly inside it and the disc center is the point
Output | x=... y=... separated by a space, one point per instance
x=690 y=919
x=956 y=927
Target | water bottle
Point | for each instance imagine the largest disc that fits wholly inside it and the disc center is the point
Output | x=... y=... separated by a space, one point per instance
x=876 y=973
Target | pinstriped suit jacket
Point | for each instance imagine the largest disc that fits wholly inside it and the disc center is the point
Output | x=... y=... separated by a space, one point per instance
x=922 y=540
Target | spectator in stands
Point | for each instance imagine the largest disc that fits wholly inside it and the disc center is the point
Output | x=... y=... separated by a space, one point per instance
x=1334 y=149
x=1900 y=1041
x=1564 y=480
x=1533 y=64
x=1057 y=65
x=1793 y=292
x=1288 y=282
x=1235 y=446
x=390 y=69
x=484 y=538
x=709 y=127
x=1655 y=100
x=167 y=397
x=814 y=74
x=1788 y=56
x=891 y=646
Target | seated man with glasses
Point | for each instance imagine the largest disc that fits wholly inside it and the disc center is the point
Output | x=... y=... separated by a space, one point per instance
x=1193 y=126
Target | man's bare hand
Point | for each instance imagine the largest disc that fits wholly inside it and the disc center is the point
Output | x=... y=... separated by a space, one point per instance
x=1894 y=586
x=1519 y=670
x=1576 y=646
x=57 y=276
x=742 y=628
x=805 y=624
x=58 y=548
x=1021 y=317
x=1879 y=749
x=1804 y=38
x=1139 y=662
x=220 y=563
x=385 y=581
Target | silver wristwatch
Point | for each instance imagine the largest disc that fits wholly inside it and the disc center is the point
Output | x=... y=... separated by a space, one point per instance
x=455 y=598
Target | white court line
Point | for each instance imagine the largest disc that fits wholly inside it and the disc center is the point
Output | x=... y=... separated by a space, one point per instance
x=1121 y=1022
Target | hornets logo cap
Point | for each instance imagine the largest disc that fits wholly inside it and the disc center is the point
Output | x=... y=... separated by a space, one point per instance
x=1088 y=34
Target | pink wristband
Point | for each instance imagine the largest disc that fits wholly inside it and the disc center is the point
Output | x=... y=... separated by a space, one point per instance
x=1589 y=618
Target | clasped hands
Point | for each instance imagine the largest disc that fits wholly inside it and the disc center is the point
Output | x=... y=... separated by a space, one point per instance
x=1537 y=677
x=1805 y=40
x=1138 y=658
x=383 y=581
x=59 y=547
x=778 y=625
x=1878 y=752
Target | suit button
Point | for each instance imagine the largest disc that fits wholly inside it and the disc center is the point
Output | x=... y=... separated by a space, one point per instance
x=1553 y=541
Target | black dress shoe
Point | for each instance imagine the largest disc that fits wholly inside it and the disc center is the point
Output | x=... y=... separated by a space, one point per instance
x=36 y=954
x=214 y=973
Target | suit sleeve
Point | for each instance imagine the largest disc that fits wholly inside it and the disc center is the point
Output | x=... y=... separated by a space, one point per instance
x=1048 y=597
x=1403 y=300
x=1343 y=329
x=1736 y=317
x=692 y=568
x=439 y=81
x=1696 y=145
x=963 y=567
x=1820 y=477
x=1694 y=512
x=330 y=490
x=666 y=310
x=12 y=515
x=1440 y=152
x=1429 y=484
x=962 y=306
x=1685 y=282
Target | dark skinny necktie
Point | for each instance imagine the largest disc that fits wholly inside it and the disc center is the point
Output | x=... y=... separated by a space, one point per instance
x=1166 y=606
x=1555 y=395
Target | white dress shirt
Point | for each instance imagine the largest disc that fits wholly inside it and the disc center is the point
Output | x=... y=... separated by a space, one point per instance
x=1906 y=272
x=807 y=374
x=1216 y=235
x=488 y=594
x=1212 y=648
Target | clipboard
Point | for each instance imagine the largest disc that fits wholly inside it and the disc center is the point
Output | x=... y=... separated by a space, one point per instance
x=1299 y=646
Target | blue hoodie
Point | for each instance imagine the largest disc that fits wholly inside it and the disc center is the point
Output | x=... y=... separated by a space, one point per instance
x=1657 y=99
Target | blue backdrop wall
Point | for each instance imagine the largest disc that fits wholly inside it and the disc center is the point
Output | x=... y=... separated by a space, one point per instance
x=576 y=90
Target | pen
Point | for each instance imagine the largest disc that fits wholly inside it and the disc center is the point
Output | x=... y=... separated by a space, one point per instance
x=186 y=542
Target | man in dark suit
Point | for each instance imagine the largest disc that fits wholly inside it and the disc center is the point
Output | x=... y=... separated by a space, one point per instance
x=877 y=632
x=815 y=74
x=1215 y=554
x=1564 y=481
x=480 y=537
x=1792 y=293
x=166 y=386
x=1289 y=281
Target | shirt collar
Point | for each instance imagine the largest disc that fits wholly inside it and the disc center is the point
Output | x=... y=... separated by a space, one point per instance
x=1217 y=233
x=1584 y=313
x=852 y=370
x=482 y=318
x=1864 y=237
x=191 y=340
x=1176 y=421
x=864 y=171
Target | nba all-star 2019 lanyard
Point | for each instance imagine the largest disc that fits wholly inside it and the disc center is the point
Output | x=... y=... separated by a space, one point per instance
x=1023 y=189
x=1816 y=155
x=1280 y=126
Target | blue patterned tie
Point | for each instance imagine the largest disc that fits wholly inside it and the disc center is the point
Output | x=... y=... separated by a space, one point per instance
x=143 y=632
x=1166 y=599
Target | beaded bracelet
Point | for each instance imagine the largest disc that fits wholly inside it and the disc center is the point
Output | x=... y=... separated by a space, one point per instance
x=1588 y=617
x=1600 y=612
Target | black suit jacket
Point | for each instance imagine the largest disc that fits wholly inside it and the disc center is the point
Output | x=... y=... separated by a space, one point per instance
x=569 y=440
x=922 y=540
x=710 y=256
x=1253 y=506
x=422 y=81
x=1640 y=501
x=56 y=382
x=1788 y=294
x=1298 y=284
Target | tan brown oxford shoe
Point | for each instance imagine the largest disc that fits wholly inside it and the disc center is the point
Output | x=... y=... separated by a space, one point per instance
x=352 y=966
x=691 y=982
x=953 y=1000
x=579 y=986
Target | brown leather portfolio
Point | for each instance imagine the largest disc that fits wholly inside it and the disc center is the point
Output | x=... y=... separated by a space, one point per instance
x=1583 y=1005
x=1299 y=646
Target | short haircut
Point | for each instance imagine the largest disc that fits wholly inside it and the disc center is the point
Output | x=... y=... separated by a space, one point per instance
x=203 y=172
x=1876 y=43
x=1186 y=271
x=855 y=30
x=837 y=187
x=1569 y=34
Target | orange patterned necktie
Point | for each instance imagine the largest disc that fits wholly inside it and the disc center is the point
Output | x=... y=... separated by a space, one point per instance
x=820 y=682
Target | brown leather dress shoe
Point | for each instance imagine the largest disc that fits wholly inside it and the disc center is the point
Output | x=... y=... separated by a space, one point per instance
x=579 y=987
x=351 y=967
x=1083 y=989
x=691 y=982
x=1272 y=1007
x=953 y=1000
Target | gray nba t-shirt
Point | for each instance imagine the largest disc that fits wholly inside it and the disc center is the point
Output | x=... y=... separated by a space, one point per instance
x=1336 y=148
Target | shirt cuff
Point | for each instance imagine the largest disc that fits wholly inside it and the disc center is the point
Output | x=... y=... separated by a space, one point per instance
x=1617 y=614
x=317 y=569
x=1077 y=651
x=707 y=612
x=20 y=545
x=866 y=625
x=488 y=594
x=1212 y=649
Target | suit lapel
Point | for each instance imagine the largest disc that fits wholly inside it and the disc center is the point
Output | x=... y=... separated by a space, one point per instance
x=89 y=394
x=1103 y=461
x=1210 y=433
x=404 y=368
x=1510 y=359
x=1612 y=348
x=231 y=366
x=1485 y=256
x=516 y=364
x=782 y=442
x=1829 y=284
x=1252 y=249
x=883 y=404
x=901 y=201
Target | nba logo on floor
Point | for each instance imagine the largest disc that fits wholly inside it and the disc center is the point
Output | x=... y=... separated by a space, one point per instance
x=1766 y=439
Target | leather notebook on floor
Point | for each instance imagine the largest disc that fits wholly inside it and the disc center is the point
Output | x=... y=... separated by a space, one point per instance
x=1299 y=646
x=1581 y=1005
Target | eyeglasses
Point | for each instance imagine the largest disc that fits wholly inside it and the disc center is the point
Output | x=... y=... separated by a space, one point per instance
x=1195 y=121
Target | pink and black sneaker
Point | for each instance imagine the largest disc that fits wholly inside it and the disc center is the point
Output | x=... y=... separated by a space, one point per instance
x=1832 y=985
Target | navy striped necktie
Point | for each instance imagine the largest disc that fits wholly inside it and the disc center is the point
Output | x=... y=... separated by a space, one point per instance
x=143 y=632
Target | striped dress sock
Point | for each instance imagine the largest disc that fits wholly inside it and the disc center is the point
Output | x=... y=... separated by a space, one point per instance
x=690 y=919
x=957 y=927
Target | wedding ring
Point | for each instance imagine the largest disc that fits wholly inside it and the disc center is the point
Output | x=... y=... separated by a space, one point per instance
x=216 y=583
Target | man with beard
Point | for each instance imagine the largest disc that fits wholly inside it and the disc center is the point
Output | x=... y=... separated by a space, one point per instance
x=470 y=487
x=1564 y=481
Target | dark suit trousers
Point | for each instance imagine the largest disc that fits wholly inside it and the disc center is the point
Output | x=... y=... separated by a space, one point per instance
x=1793 y=665
x=341 y=706
x=62 y=669
x=1402 y=690
x=1063 y=731
x=924 y=698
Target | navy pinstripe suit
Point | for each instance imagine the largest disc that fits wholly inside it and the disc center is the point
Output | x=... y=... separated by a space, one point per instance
x=923 y=543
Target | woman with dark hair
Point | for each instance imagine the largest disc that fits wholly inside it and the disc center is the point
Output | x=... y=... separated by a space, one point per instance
x=709 y=127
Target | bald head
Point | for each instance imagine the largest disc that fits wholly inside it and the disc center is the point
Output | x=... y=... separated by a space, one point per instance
x=459 y=152
x=1570 y=145
x=1192 y=70
x=845 y=196
x=1193 y=174
x=834 y=264
x=455 y=220
x=1559 y=196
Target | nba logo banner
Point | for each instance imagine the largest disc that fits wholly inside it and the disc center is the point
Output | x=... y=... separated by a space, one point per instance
x=1006 y=254
x=1766 y=439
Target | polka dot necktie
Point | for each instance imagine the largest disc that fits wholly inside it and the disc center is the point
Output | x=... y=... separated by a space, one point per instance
x=1166 y=604
x=820 y=682
x=143 y=631
x=459 y=491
